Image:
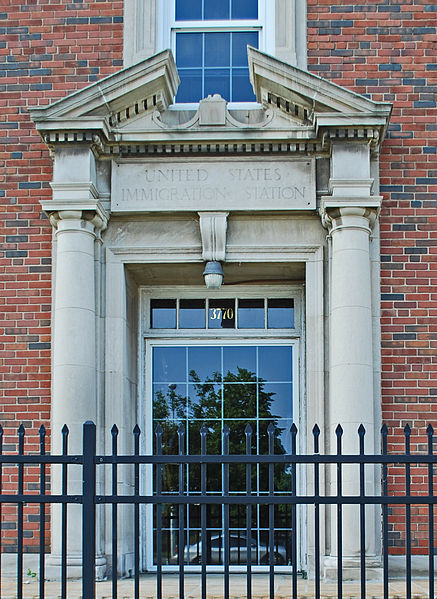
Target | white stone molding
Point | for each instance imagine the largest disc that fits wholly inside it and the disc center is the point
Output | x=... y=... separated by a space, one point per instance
x=213 y=227
x=140 y=24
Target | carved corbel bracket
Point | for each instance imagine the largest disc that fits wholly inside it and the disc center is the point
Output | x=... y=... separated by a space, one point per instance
x=213 y=228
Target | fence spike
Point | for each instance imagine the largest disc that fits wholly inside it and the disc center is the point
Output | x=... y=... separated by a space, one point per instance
x=430 y=434
x=248 y=430
x=339 y=430
x=407 y=430
x=204 y=429
x=293 y=429
x=65 y=430
x=271 y=428
x=21 y=433
x=384 y=436
x=42 y=431
x=137 y=430
x=361 y=430
x=316 y=434
x=1 y=430
x=114 y=430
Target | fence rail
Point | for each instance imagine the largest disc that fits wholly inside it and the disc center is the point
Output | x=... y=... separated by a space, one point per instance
x=228 y=510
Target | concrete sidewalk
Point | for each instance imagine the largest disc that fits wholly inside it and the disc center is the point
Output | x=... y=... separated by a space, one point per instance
x=260 y=588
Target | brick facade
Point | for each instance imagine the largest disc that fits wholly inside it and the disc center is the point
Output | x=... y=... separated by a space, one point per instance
x=387 y=50
x=384 y=49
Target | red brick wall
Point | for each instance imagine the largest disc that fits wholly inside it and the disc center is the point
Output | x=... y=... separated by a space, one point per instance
x=387 y=50
x=48 y=49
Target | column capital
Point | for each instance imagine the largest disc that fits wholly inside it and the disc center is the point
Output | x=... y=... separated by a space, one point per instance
x=91 y=218
x=338 y=212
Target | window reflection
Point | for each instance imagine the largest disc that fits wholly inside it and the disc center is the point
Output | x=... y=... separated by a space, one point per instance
x=232 y=386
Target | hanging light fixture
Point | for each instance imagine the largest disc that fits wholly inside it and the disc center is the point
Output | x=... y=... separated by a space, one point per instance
x=213 y=274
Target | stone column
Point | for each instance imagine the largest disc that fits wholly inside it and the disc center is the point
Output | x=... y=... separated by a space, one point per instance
x=349 y=214
x=74 y=377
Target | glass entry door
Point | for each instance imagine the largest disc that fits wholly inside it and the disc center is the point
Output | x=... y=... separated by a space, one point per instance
x=214 y=385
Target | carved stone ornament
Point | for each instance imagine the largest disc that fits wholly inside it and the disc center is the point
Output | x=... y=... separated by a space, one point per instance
x=213 y=227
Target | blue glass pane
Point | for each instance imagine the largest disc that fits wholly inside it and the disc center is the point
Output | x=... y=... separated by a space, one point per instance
x=280 y=313
x=205 y=401
x=240 y=41
x=239 y=400
x=217 y=81
x=244 y=9
x=251 y=314
x=275 y=363
x=204 y=363
x=163 y=314
x=280 y=398
x=189 y=50
x=190 y=87
x=192 y=314
x=241 y=88
x=169 y=365
x=188 y=10
x=217 y=49
x=169 y=402
x=216 y=10
x=282 y=439
x=240 y=361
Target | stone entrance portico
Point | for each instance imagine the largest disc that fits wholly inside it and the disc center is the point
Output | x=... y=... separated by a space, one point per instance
x=141 y=190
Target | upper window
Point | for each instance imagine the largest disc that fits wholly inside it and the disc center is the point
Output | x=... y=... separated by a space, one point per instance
x=210 y=39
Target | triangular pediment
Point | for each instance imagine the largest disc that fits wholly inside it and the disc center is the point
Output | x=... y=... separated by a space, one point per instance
x=149 y=84
x=293 y=89
x=133 y=106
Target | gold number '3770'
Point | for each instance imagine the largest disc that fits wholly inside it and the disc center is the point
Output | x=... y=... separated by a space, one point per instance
x=221 y=313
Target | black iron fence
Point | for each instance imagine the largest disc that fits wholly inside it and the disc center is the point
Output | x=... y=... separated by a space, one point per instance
x=231 y=510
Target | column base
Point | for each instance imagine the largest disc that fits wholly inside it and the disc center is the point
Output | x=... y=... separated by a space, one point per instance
x=74 y=567
x=351 y=569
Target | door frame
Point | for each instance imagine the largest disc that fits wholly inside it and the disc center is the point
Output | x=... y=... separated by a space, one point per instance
x=151 y=338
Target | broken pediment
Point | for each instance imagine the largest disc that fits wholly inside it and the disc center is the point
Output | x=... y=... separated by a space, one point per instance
x=135 y=106
x=146 y=86
x=322 y=102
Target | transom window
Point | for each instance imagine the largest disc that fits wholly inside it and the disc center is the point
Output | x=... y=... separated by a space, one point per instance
x=222 y=313
x=210 y=39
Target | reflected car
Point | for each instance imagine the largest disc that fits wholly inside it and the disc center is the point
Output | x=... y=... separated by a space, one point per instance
x=237 y=552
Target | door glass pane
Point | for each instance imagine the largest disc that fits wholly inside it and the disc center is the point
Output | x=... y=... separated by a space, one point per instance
x=192 y=314
x=239 y=363
x=250 y=313
x=280 y=313
x=163 y=314
x=275 y=363
x=169 y=364
x=204 y=363
x=213 y=386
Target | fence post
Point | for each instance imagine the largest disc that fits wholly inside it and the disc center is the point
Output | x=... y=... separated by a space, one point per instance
x=89 y=511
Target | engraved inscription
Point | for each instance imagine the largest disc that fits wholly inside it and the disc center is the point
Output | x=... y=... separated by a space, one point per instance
x=236 y=185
